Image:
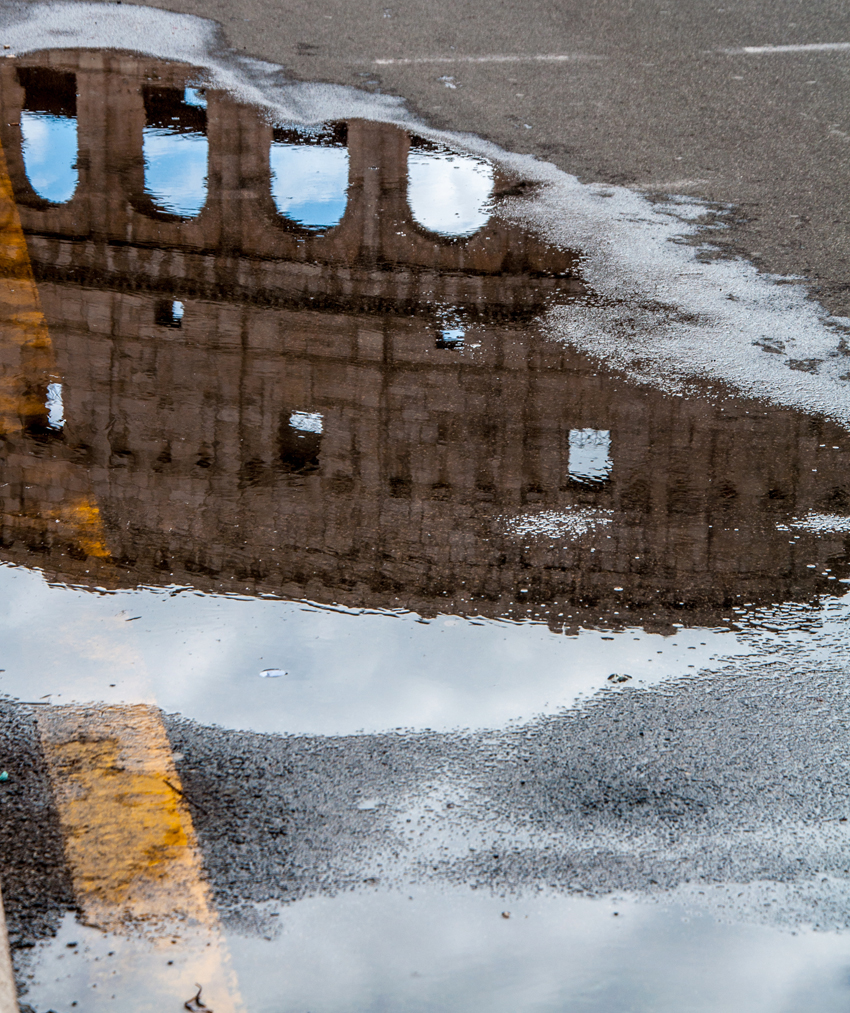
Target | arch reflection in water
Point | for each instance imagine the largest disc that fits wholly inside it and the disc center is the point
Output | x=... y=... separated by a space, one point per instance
x=176 y=150
x=309 y=174
x=49 y=132
x=448 y=193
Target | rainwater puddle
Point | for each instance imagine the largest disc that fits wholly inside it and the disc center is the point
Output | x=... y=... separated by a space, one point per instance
x=435 y=949
x=85 y=968
x=343 y=671
x=352 y=558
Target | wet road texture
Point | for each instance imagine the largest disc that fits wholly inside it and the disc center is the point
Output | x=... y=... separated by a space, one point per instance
x=423 y=574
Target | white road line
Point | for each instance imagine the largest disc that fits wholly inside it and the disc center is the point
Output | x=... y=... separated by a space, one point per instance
x=812 y=47
x=518 y=58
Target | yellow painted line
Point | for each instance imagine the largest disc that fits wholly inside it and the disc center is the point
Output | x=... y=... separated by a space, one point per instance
x=130 y=843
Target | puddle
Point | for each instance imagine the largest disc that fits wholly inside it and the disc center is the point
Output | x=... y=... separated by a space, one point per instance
x=344 y=671
x=431 y=949
x=328 y=435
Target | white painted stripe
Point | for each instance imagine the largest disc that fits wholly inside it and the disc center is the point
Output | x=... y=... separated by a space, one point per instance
x=812 y=47
x=504 y=58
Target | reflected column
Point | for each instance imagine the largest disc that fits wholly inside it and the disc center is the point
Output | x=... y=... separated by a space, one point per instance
x=377 y=201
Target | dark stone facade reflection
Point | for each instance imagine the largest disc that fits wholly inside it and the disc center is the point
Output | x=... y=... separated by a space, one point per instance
x=249 y=406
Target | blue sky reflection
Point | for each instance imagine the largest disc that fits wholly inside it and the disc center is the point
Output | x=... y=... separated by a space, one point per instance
x=176 y=170
x=310 y=183
x=50 y=154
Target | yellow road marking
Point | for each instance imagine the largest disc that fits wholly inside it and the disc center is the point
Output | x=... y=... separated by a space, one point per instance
x=128 y=837
x=27 y=352
x=129 y=840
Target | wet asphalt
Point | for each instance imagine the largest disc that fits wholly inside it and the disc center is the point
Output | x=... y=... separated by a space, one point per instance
x=728 y=792
x=734 y=785
x=36 y=886
x=653 y=97
x=707 y=783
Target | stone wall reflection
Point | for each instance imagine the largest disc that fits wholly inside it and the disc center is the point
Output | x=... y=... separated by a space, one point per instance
x=255 y=408
x=114 y=232
x=400 y=497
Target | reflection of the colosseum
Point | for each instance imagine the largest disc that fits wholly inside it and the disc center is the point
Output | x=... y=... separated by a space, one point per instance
x=360 y=412
x=186 y=191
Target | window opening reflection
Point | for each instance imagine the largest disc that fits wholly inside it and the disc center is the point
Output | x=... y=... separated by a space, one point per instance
x=452 y=333
x=309 y=174
x=49 y=132
x=176 y=150
x=43 y=418
x=169 y=313
x=448 y=193
x=300 y=441
x=451 y=337
x=55 y=406
x=590 y=456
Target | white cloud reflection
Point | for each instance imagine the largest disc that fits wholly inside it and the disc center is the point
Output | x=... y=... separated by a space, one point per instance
x=450 y=949
x=200 y=654
x=439 y=948
x=449 y=193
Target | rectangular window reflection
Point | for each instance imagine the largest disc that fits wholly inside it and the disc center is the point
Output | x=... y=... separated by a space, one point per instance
x=169 y=313
x=451 y=337
x=590 y=455
x=306 y=422
x=55 y=407
x=301 y=441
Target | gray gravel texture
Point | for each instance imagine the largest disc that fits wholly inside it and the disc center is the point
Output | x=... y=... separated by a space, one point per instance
x=654 y=99
x=35 y=882
x=735 y=785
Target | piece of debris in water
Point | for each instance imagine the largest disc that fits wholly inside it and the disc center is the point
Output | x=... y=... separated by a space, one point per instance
x=195 y=1004
x=618 y=677
x=272 y=673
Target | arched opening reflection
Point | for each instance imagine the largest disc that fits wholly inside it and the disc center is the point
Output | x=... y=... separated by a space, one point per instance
x=176 y=149
x=49 y=132
x=448 y=193
x=309 y=174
